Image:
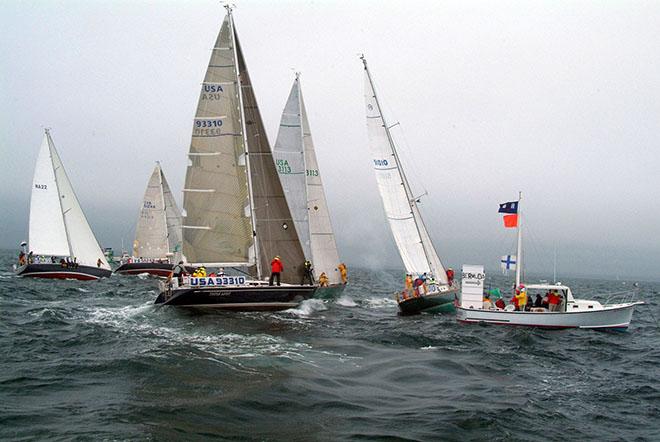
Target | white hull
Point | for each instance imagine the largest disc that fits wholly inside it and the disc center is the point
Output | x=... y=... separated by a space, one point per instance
x=611 y=316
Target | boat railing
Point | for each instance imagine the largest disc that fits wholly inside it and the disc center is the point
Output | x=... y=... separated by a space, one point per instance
x=621 y=297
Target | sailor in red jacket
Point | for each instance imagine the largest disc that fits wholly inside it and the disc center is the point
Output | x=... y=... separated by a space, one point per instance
x=276 y=268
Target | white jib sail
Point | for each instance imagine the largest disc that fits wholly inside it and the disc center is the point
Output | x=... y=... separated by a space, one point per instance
x=289 y=156
x=409 y=233
x=47 y=234
x=151 y=231
x=172 y=219
x=324 y=248
x=82 y=242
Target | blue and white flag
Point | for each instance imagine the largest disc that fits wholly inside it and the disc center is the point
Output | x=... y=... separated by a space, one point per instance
x=508 y=262
x=510 y=207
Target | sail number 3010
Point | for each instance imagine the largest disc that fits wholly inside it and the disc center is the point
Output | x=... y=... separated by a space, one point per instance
x=381 y=163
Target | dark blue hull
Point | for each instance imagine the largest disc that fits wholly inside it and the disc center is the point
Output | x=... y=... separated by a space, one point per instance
x=241 y=298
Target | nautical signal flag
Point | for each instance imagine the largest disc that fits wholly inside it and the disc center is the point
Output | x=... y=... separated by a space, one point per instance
x=511 y=208
x=508 y=262
x=511 y=220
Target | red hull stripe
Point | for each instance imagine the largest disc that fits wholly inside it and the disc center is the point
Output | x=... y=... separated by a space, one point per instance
x=61 y=275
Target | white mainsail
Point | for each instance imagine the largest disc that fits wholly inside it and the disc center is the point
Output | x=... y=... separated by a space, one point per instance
x=158 y=230
x=290 y=161
x=299 y=172
x=47 y=219
x=47 y=233
x=410 y=234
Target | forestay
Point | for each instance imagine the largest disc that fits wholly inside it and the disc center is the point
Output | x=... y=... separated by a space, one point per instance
x=410 y=235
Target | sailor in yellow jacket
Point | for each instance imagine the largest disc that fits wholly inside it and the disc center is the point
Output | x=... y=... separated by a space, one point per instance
x=521 y=296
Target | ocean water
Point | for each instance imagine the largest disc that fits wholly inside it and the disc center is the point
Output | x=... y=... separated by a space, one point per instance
x=98 y=361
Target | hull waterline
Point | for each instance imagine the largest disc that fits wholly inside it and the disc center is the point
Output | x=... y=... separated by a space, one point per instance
x=238 y=298
x=56 y=271
x=616 y=316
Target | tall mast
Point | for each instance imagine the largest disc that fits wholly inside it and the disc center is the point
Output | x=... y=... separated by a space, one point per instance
x=245 y=142
x=59 y=193
x=406 y=185
x=519 y=251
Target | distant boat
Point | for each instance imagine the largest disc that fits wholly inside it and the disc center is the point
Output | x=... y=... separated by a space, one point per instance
x=235 y=211
x=401 y=207
x=157 y=244
x=61 y=244
x=301 y=179
x=570 y=313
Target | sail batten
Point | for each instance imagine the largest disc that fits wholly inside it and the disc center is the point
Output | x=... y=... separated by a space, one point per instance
x=216 y=228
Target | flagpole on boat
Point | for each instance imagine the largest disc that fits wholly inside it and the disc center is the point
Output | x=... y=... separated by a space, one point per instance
x=519 y=250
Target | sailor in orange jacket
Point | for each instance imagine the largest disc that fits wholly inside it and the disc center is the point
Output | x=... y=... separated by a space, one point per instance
x=276 y=268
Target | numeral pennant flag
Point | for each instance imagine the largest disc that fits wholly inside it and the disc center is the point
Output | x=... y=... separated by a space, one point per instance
x=511 y=208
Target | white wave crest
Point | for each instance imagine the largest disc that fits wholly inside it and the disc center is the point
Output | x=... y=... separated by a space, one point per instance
x=346 y=301
x=308 y=307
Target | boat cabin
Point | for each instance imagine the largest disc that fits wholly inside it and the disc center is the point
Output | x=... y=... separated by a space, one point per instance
x=568 y=302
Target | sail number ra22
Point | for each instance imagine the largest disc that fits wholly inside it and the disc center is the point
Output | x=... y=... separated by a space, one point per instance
x=41 y=186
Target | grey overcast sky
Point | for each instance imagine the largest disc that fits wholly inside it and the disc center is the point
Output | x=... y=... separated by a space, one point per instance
x=559 y=99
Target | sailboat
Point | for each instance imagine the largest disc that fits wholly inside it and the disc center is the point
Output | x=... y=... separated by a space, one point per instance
x=158 y=231
x=299 y=173
x=61 y=243
x=563 y=310
x=401 y=207
x=235 y=212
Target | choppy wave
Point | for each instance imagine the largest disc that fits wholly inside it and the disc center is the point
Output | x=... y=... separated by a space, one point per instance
x=98 y=360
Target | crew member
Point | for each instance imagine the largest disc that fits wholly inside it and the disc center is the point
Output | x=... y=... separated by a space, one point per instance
x=343 y=271
x=307 y=273
x=178 y=272
x=276 y=268
x=323 y=280
x=521 y=298
x=450 y=276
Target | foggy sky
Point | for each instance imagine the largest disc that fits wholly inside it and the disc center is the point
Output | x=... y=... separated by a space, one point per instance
x=560 y=100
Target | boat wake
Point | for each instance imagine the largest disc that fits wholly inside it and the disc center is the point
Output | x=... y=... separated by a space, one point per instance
x=346 y=301
x=308 y=307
